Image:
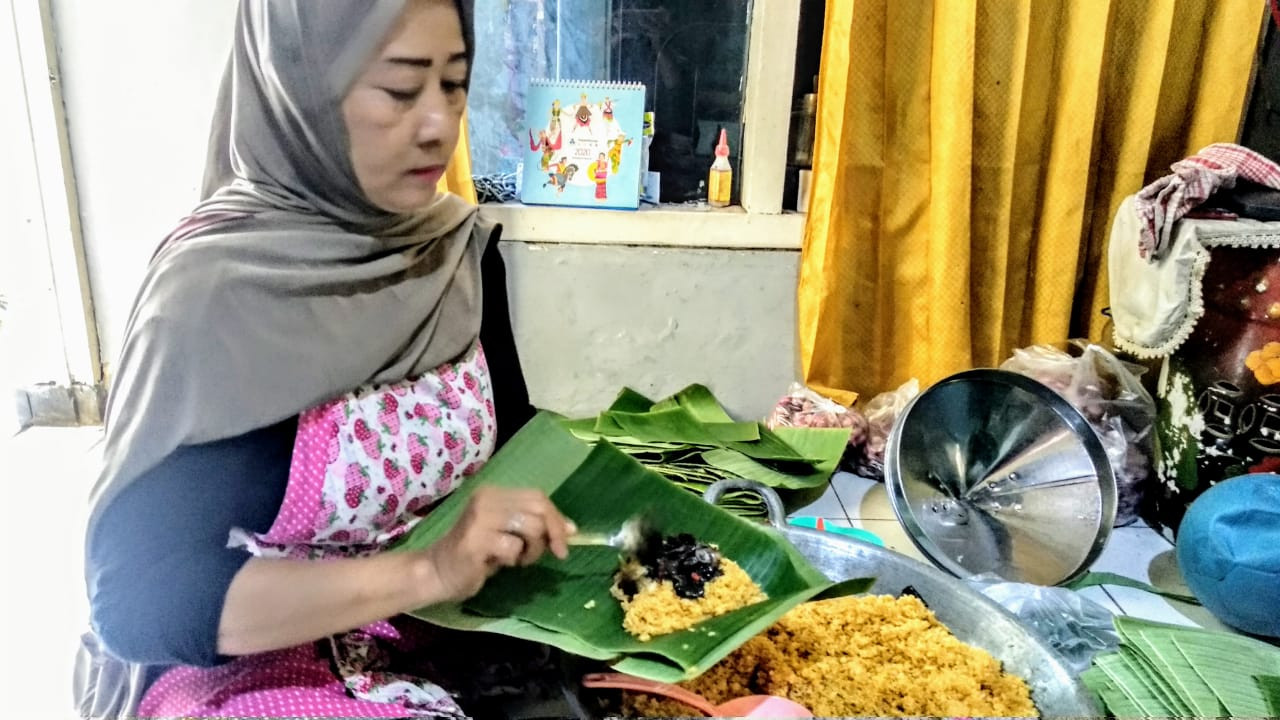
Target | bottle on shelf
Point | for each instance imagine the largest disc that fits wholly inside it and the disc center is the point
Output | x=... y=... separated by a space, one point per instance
x=720 y=179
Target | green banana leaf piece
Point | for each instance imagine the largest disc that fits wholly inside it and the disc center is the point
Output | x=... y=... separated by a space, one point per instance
x=826 y=445
x=692 y=416
x=629 y=400
x=700 y=403
x=1119 y=667
x=1228 y=669
x=1269 y=686
x=675 y=425
x=1113 y=698
x=1092 y=578
x=567 y=604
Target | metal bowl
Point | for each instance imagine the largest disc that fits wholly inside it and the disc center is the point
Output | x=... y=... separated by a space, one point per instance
x=992 y=472
x=968 y=614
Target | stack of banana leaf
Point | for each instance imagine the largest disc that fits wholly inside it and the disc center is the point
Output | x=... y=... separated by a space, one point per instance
x=690 y=439
x=1164 y=670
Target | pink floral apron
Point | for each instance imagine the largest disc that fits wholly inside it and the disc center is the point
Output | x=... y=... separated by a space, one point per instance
x=366 y=467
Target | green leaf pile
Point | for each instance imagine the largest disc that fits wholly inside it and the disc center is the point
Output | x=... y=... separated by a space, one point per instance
x=567 y=603
x=1164 y=670
x=689 y=439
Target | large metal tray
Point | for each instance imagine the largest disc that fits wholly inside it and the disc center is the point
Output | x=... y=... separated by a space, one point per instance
x=970 y=616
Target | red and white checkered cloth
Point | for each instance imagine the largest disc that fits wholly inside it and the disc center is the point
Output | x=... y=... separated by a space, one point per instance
x=1163 y=202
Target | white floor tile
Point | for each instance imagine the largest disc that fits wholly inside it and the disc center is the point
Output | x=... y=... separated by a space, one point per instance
x=1143 y=554
x=863 y=498
x=893 y=536
x=1129 y=552
x=1139 y=604
x=1100 y=596
x=828 y=507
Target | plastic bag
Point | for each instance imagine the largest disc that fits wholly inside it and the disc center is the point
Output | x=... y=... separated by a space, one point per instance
x=1070 y=623
x=1108 y=392
x=882 y=412
x=802 y=407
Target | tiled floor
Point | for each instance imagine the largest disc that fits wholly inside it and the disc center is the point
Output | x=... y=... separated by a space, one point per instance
x=49 y=472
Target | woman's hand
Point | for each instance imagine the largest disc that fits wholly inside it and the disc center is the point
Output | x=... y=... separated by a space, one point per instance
x=274 y=604
x=500 y=527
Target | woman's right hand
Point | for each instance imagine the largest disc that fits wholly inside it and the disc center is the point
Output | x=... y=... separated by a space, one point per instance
x=500 y=527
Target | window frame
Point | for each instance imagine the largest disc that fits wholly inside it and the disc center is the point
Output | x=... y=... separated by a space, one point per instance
x=758 y=223
x=60 y=209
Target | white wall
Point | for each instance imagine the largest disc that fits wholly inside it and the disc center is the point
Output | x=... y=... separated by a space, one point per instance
x=592 y=318
x=140 y=78
x=139 y=81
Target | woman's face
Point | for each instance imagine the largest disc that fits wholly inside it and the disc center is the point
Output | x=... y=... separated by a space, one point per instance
x=403 y=112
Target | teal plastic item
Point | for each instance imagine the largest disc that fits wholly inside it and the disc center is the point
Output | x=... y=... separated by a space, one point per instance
x=1229 y=552
x=816 y=523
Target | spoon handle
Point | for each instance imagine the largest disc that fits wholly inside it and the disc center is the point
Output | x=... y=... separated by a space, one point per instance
x=590 y=539
x=628 y=682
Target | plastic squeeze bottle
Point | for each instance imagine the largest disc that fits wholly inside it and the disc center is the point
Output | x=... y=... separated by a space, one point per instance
x=720 y=181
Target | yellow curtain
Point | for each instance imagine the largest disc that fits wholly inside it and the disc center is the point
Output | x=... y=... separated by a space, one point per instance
x=969 y=157
x=457 y=176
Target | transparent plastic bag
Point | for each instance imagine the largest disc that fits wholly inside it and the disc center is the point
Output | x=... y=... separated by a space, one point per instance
x=1070 y=623
x=882 y=412
x=802 y=407
x=1108 y=392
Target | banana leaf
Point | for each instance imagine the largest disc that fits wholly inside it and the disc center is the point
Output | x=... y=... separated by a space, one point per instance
x=629 y=400
x=1171 y=670
x=1117 y=702
x=689 y=439
x=1269 y=686
x=1092 y=578
x=567 y=604
x=678 y=425
x=826 y=445
x=692 y=416
x=698 y=400
x=1228 y=669
x=1120 y=669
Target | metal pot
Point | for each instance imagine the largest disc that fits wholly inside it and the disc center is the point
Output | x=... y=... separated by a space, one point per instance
x=969 y=615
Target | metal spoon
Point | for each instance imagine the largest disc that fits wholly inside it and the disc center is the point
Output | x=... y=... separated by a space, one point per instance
x=630 y=537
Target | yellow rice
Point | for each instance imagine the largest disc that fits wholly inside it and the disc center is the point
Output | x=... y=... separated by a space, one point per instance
x=657 y=610
x=870 y=655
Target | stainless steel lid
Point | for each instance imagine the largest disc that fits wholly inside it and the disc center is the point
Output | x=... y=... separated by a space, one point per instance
x=992 y=472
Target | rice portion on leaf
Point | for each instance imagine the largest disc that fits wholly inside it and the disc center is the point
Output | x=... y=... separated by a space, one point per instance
x=678 y=584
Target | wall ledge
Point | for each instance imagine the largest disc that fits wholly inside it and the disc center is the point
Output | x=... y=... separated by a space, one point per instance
x=672 y=226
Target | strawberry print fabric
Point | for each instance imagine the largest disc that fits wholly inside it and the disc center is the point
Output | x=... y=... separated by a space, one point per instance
x=366 y=467
x=367 y=464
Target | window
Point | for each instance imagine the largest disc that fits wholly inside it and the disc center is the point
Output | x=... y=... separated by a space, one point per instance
x=691 y=56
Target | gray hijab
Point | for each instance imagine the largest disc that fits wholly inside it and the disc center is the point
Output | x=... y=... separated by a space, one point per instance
x=286 y=286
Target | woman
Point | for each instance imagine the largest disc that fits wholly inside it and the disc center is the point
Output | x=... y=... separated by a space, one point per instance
x=600 y=174
x=305 y=373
